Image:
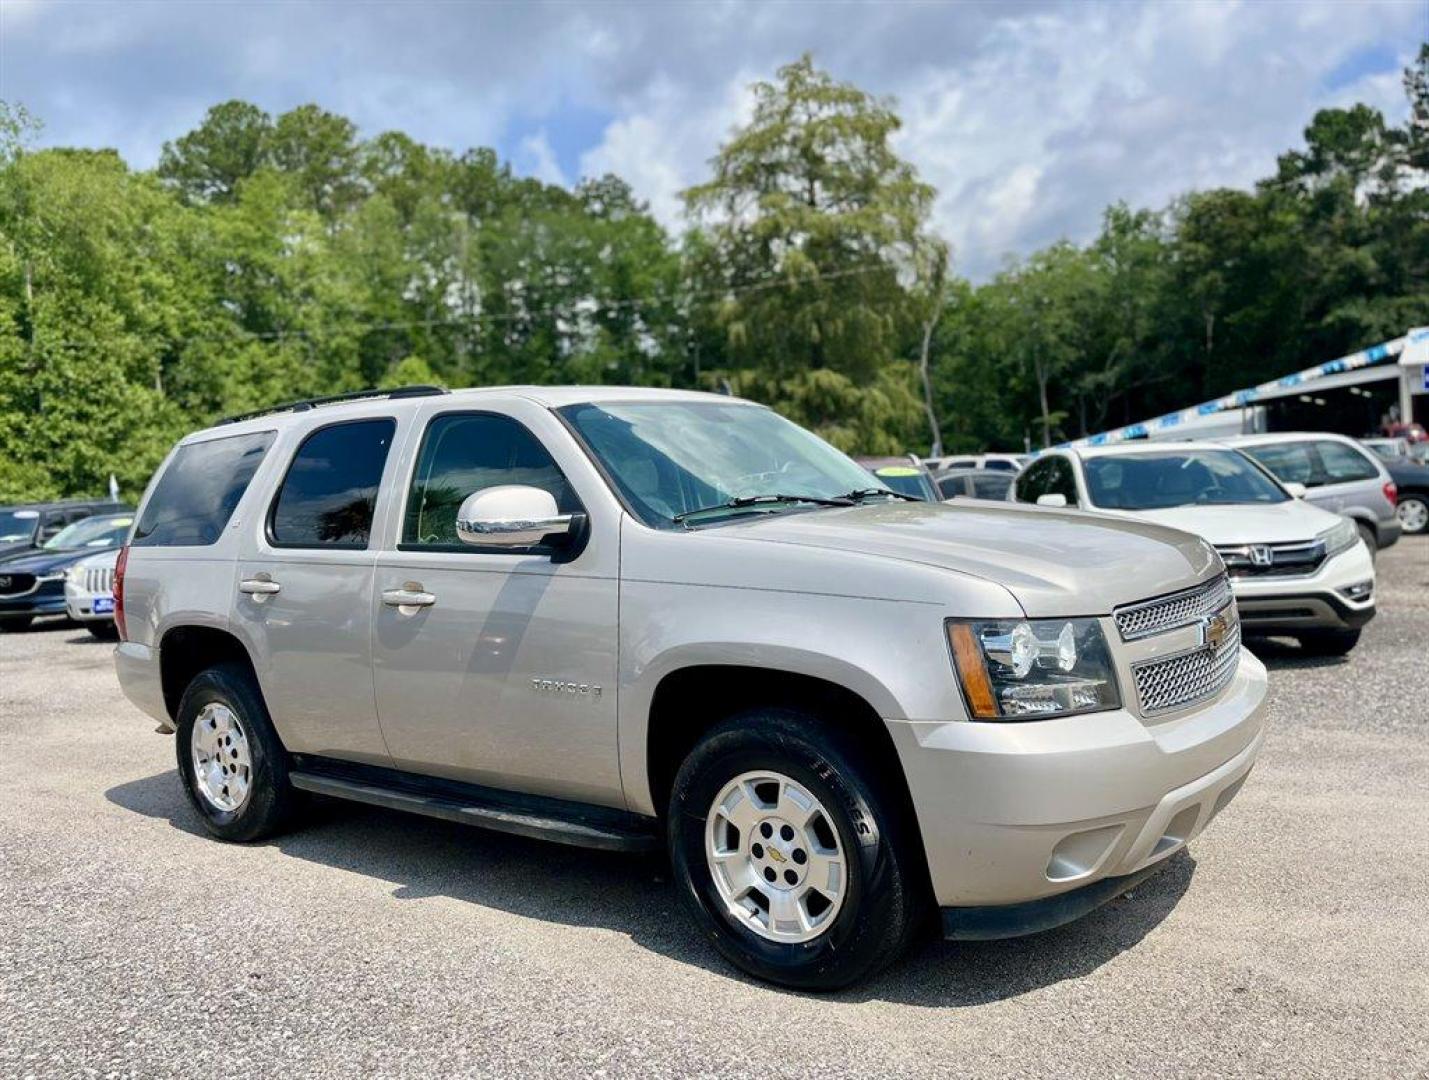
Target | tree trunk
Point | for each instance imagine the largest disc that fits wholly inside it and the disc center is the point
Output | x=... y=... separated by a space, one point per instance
x=1041 y=373
x=936 y=448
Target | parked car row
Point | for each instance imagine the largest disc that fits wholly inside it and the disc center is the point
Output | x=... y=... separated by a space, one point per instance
x=61 y=571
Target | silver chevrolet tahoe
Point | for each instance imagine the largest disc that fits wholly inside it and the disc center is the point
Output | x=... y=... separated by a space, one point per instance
x=629 y=618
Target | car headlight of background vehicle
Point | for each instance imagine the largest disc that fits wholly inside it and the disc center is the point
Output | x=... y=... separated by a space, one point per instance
x=1012 y=669
x=1339 y=537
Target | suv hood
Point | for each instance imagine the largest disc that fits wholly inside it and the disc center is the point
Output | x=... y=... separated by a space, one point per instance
x=1273 y=523
x=1055 y=562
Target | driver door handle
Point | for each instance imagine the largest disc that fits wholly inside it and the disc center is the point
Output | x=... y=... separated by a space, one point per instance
x=258 y=586
x=411 y=594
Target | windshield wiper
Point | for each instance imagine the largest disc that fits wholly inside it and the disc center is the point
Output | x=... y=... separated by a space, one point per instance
x=859 y=494
x=740 y=502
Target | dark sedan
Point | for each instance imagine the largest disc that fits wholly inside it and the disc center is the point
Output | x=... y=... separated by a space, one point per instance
x=33 y=582
x=1412 y=505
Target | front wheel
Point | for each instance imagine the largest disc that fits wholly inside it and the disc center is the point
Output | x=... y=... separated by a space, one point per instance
x=1369 y=536
x=1413 y=514
x=795 y=863
x=1329 y=642
x=234 y=768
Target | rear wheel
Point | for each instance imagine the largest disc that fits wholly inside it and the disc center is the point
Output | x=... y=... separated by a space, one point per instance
x=13 y=624
x=1413 y=513
x=1329 y=642
x=795 y=863
x=234 y=769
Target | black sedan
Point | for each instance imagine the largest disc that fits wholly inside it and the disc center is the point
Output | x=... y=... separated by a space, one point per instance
x=1412 y=480
x=33 y=582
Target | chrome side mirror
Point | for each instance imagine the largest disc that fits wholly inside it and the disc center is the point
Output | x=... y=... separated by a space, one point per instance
x=1295 y=489
x=512 y=516
x=1052 y=500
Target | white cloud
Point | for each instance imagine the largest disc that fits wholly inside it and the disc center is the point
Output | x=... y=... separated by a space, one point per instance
x=1028 y=118
x=534 y=157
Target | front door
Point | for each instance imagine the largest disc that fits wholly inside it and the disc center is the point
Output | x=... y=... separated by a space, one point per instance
x=504 y=673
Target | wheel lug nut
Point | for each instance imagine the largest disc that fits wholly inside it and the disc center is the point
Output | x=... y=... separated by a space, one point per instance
x=769 y=874
x=757 y=850
x=766 y=830
x=799 y=856
x=786 y=833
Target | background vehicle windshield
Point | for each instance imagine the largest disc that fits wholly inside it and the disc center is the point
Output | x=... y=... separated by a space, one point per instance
x=94 y=532
x=669 y=458
x=908 y=480
x=1178 y=478
x=17 y=525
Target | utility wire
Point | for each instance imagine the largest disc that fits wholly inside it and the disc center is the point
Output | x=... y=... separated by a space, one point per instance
x=572 y=309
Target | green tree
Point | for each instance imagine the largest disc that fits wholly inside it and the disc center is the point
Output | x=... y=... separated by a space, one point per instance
x=812 y=225
x=234 y=141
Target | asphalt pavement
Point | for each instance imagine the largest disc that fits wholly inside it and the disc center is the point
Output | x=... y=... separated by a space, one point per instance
x=1292 y=939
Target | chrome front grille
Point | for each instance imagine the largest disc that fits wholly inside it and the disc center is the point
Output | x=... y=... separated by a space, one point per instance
x=98 y=579
x=1165 y=613
x=1273 y=560
x=1188 y=677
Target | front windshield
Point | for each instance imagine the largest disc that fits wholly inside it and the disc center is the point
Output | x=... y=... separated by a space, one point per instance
x=1178 y=478
x=17 y=526
x=908 y=480
x=94 y=532
x=670 y=458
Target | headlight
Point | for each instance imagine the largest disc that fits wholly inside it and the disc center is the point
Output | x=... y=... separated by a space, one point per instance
x=1026 y=669
x=75 y=576
x=1339 y=537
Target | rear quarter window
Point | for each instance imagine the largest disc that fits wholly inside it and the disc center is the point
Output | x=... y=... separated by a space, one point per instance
x=199 y=491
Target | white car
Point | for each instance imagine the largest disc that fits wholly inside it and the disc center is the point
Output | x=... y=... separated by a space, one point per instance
x=1296 y=570
x=89 y=593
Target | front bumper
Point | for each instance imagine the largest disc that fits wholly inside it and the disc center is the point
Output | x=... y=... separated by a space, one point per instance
x=79 y=605
x=1318 y=601
x=1012 y=813
x=46 y=598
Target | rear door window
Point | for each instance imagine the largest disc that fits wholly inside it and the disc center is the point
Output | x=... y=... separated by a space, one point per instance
x=329 y=495
x=1344 y=464
x=199 y=491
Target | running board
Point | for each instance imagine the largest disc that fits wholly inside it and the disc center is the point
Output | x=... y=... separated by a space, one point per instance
x=533 y=816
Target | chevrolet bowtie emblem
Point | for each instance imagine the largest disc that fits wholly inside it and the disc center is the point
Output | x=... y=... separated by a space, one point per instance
x=1216 y=628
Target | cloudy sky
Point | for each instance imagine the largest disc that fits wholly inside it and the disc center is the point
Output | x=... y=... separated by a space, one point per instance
x=1028 y=117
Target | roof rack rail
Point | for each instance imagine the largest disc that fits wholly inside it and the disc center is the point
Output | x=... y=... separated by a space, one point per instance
x=333 y=399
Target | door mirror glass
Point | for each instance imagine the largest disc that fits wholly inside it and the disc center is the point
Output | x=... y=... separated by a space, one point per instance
x=512 y=516
x=1296 y=490
x=1055 y=499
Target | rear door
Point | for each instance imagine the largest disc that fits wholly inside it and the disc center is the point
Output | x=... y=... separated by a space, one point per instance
x=508 y=678
x=1351 y=481
x=303 y=589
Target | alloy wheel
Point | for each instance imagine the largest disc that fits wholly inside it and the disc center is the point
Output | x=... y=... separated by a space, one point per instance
x=775 y=857
x=223 y=767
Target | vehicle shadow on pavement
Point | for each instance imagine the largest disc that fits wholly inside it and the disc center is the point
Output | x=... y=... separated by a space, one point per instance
x=632 y=895
x=1280 y=655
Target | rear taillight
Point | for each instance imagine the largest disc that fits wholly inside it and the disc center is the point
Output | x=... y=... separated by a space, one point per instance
x=119 y=565
x=1391 y=492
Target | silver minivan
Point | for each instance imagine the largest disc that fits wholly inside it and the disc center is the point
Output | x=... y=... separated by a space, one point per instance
x=1337 y=473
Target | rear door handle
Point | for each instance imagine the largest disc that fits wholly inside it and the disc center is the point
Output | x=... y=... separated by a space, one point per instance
x=262 y=585
x=411 y=594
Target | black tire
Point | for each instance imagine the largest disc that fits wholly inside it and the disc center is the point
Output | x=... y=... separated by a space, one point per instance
x=1329 y=642
x=271 y=800
x=1369 y=536
x=885 y=896
x=14 y=624
x=102 y=631
x=1419 y=501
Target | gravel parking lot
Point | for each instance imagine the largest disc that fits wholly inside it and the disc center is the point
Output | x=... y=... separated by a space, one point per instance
x=1293 y=939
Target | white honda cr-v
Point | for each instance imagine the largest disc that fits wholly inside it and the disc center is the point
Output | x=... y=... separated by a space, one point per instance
x=1297 y=570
